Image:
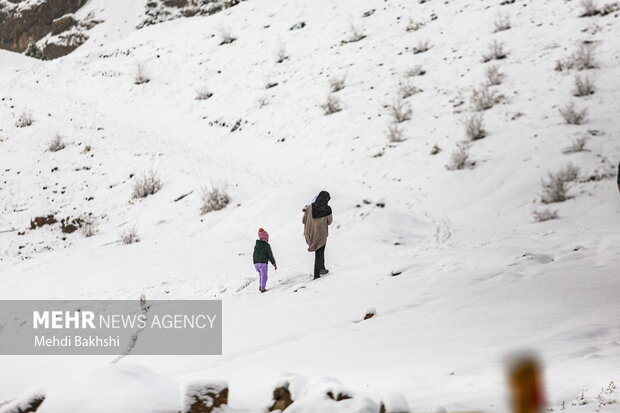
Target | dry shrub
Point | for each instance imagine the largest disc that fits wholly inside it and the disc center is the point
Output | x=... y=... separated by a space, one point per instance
x=147 y=184
x=415 y=71
x=583 y=86
x=400 y=111
x=226 y=36
x=337 y=83
x=262 y=101
x=572 y=115
x=407 y=89
x=24 y=120
x=413 y=25
x=394 y=133
x=483 y=98
x=141 y=74
x=577 y=145
x=56 y=144
x=332 y=105
x=203 y=93
x=423 y=46
x=474 y=127
x=281 y=55
x=214 y=199
x=356 y=35
x=459 y=158
x=555 y=187
x=588 y=8
x=502 y=23
x=495 y=51
x=494 y=76
x=545 y=215
x=129 y=236
x=581 y=59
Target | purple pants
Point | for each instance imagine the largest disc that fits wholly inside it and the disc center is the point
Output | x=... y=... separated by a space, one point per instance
x=262 y=272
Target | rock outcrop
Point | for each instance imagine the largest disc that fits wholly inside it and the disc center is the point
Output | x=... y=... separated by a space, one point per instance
x=204 y=397
x=20 y=26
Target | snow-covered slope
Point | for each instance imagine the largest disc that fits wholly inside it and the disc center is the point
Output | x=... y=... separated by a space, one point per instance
x=478 y=276
x=12 y=61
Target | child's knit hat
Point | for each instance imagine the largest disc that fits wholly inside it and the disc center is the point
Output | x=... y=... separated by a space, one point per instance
x=263 y=235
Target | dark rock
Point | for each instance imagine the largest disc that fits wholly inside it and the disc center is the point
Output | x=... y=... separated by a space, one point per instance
x=62 y=24
x=281 y=398
x=26 y=406
x=69 y=226
x=339 y=397
x=17 y=30
x=175 y=3
x=298 y=26
x=56 y=50
x=38 y=222
x=205 y=398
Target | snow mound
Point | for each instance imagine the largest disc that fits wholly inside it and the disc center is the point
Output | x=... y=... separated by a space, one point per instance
x=323 y=394
x=114 y=388
x=10 y=60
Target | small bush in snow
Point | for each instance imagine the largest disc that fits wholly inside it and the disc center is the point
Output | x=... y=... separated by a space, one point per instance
x=580 y=400
x=415 y=71
x=56 y=144
x=474 y=127
x=502 y=23
x=545 y=215
x=588 y=8
x=214 y=199
x=337 y=83
x=413 y=25
x=495 y=52
x=482 y=98
x=147 y=184
x=226 y=36
x=395 y=133
x=459 y=158
x=407 y=89
x=569 y=173
x=203 y=93
x=129 y=236
x=582 y=59
x=400 y=111
x=24 y=120
x=609 y=8
x=141 y=76
x=370 y=313
x=356 y=35
x=494 y=76
x=332 y=105
x=262 y=101
x=583 y=86
x=89 y=226
x=34 y=51
x=423 y=46
x=281 y=55
x=578 y=145
x=269 y=83
x=555 y=187
x=573 y=116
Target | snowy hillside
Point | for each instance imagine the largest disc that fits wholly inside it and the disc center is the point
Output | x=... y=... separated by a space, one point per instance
x=433 y=228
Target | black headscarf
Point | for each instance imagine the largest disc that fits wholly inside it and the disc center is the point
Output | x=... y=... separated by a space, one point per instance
x=320 y=208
